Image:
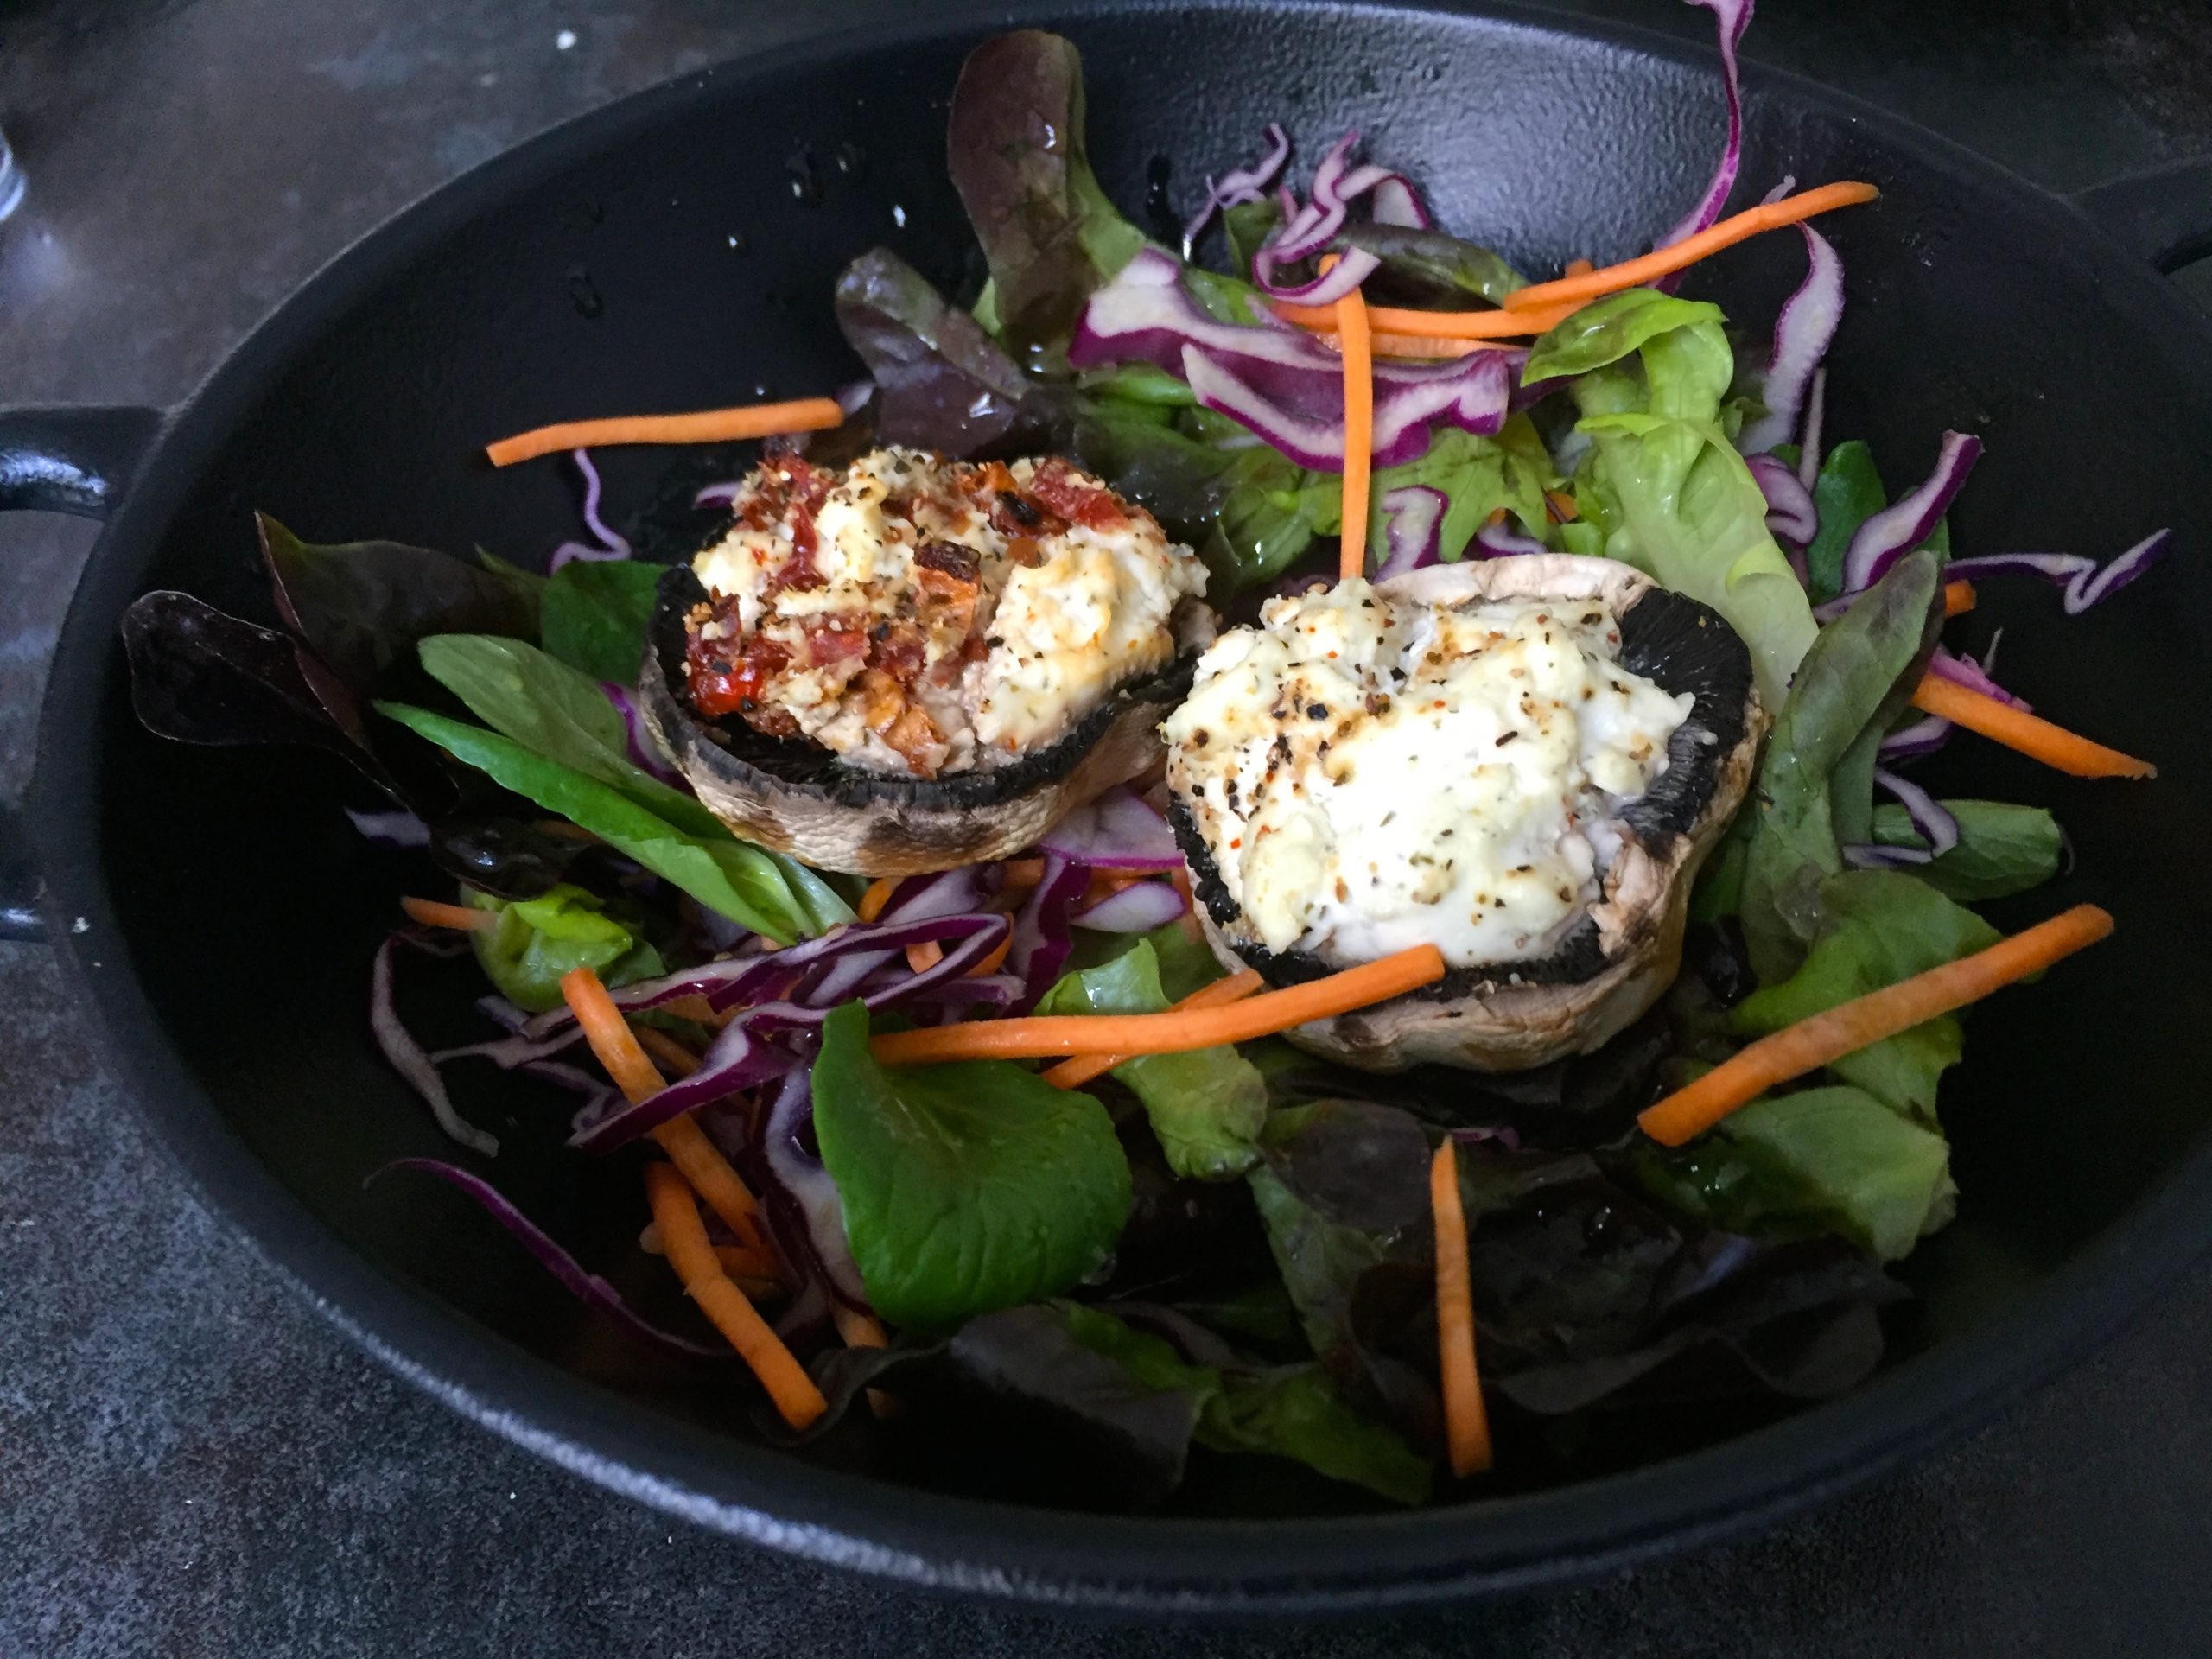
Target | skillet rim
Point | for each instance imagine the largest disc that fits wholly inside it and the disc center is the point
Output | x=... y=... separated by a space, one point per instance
x=1050 y=1557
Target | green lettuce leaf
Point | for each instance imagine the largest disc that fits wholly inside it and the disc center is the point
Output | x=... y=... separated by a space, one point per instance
x=728 y=877
x=2003 y=848
x=967 y=1187
x=1205 y=1106
x=594 y=613
x=1883 y=926
x=1856 y=675
x=1607 y=330
x=1664 y=484
x=1431 y=267
x=537 y=941
x=1827 y=1160
x=1291 y=1412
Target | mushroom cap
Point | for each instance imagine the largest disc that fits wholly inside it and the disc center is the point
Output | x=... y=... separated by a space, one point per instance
x=794 y=797
x=1609 y=969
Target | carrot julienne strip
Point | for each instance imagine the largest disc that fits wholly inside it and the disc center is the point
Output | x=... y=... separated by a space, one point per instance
x=1959 y=598
x=1359 y=432
x=1499 y=324
x=1849 y=1027
x=702 y=426
x=462 y=918
x=797 y=1399
x=1466 y=1422
x=1172 y=1033
x=877 y=896
x=2016 y=729
x=1664 y=262
x=1072 y=1074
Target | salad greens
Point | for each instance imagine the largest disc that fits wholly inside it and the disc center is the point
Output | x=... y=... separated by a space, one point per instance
x=967 y=1188
x=1229 y=1250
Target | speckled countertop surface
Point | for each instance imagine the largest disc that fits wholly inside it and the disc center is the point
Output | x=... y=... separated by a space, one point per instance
x=191 y=1464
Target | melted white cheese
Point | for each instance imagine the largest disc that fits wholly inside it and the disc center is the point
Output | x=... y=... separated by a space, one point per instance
x=1371 y=775
x=1092 y=611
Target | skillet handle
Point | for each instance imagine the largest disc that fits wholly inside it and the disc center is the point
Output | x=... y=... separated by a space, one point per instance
x=2164 y=214
x=74 y=460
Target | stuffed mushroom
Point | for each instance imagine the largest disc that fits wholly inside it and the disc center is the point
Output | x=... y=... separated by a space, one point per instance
x=1522 y=761
x=913 y=663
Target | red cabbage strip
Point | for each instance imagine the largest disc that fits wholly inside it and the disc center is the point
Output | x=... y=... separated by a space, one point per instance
x=1042 y=936
x=1239 y=185
x=1964 y=670
x=1501 y=541
x=2085 y=583
x=610 y=545
x=1790 y=513
x=406 y=1056
x=1474 y=396
x=919 y=898
x=1732 y=18
x=1803 y=333
x=1930 y=817
x=812 y=1207
x=1138 y=908
x=643 y=754
x=1116 y=831
x=1809 y=458
x=743 y=1055
x=1414 y=513
x=1924 y=737
x=1889 y=535
x=588 y=1288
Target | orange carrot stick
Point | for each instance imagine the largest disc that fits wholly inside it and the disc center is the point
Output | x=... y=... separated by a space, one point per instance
x=1072 y=1074
x=877 y=896
x=2016 y=729
x=994 y=959
x=1563 y=510
x=465 y=919
x=619 y=1051
x=1435 y=325
x=706 y=426
x=1175 y=1032
x=1423 y=347
x=1023 y=872
x=1466 y=1423
x=1664 y=262
x=797 y=1400
x=1577 y=268
x=1849 y=1027
x=1359 y=432
x=667 y=1050
x=1958 y=598
x=926 y=956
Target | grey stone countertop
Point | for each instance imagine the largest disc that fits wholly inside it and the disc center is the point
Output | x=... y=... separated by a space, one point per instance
x=191 y=1463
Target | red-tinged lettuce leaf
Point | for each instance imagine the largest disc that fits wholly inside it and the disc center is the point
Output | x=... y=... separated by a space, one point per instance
x=361 y=606
x=942 y=382
x=1014 y=149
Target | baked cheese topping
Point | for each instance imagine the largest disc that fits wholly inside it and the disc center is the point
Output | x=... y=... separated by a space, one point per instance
x=920 y=615
x=1371 y=774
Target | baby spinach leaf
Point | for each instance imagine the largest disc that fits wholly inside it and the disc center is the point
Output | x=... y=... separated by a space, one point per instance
x=1858 y=674
x=2003 y=848
x=728 y=877
x=553 y=710
x=1293 y=1412
x=1847 y=492
x=593 y=614
x=361 y=606
x=967 y=1187
x=1246 y=225
x=1883 y=926
x=1205 y=1106
x=538 y=940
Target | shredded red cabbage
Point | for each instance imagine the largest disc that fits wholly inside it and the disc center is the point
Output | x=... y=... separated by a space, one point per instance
x=1889 y=535
x=1809 y=457
x=586 y=1286
x=1803 y=333
x=1042 y=937
x=391 y=829
x=1930 y=817
x=645 y=753
x=2086 y=584
x=1790 y=513
x=1964 y=670
x=610 y=545
x=1239 y=185
x=1138 y=908
x=1732 y=18
x=1501 y=541
x=1922 y=738
x=1116 y=832
x=1414 y=514
x=407 y=1058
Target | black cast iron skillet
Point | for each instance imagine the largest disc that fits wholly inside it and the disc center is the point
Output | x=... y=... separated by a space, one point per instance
x=592 y=270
